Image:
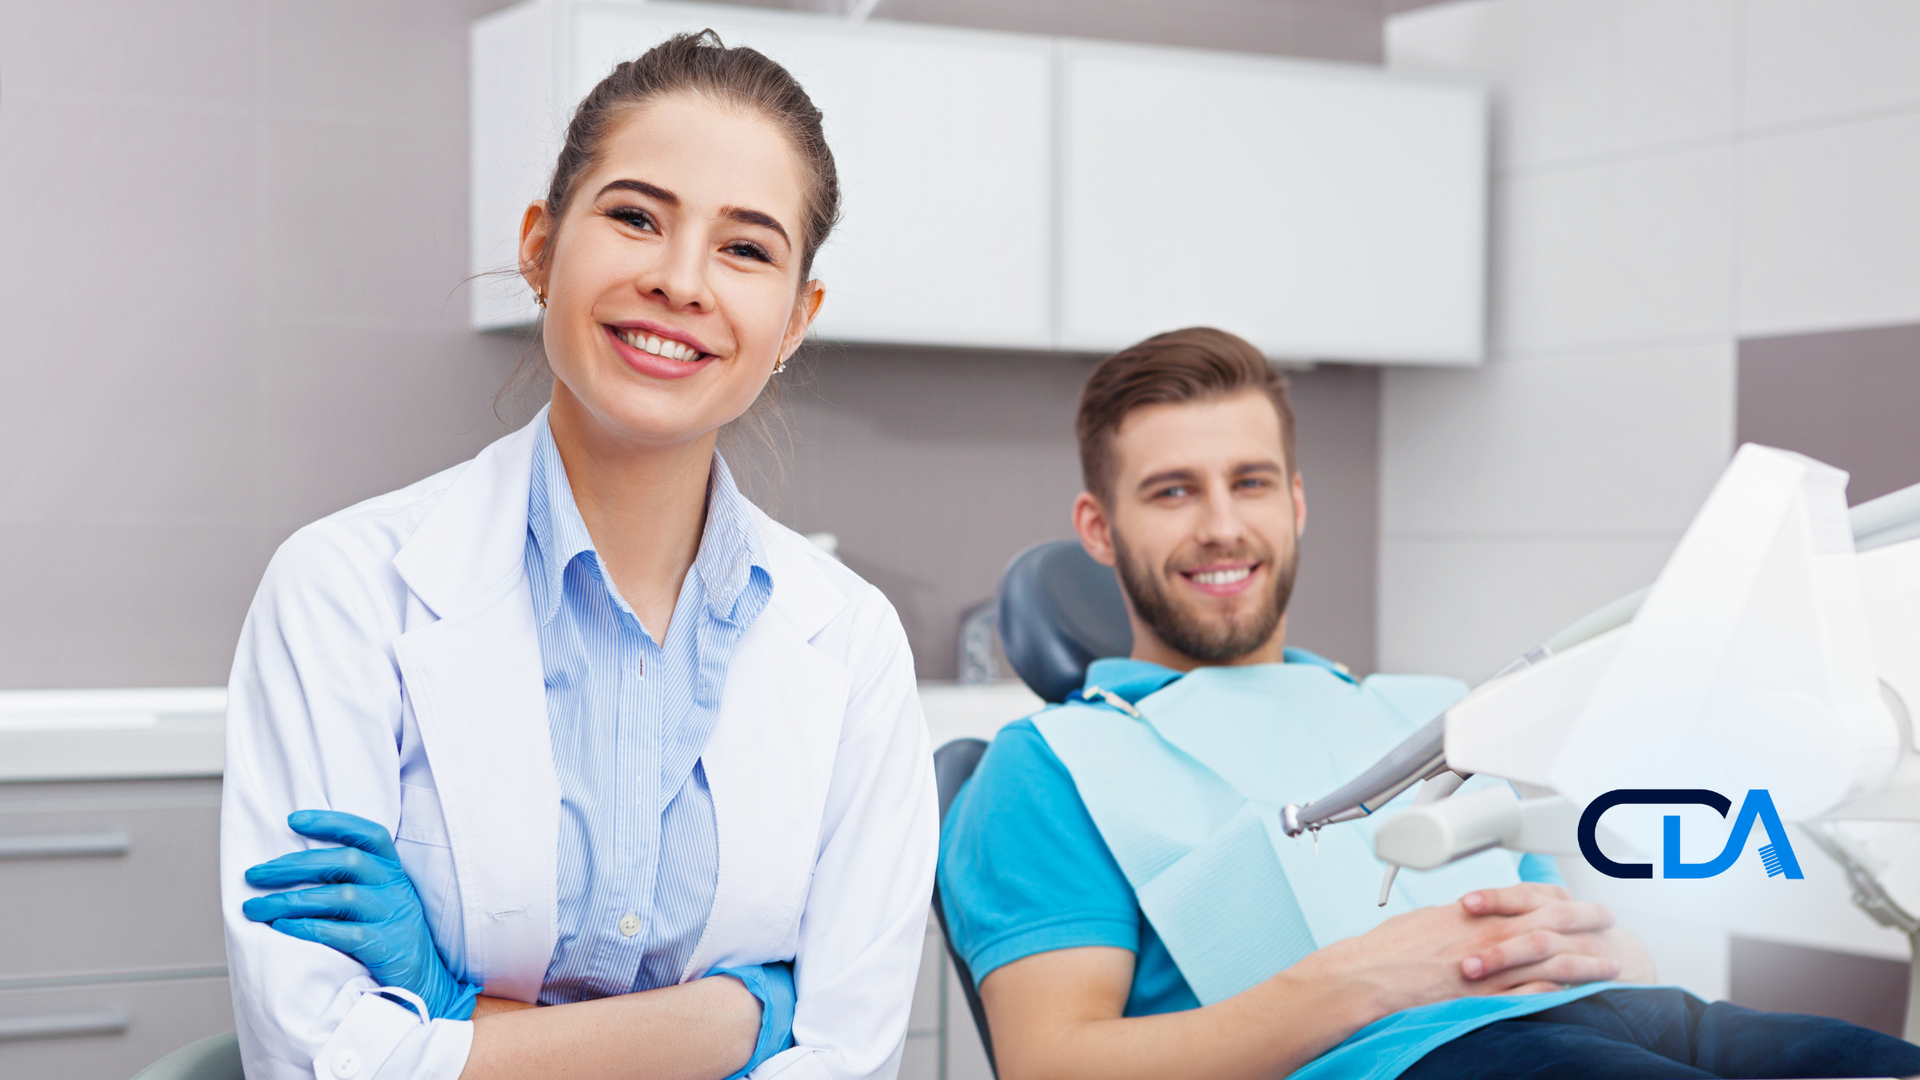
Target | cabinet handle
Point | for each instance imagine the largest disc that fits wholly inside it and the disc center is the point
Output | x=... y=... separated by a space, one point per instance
x=64 y=1025
x=60 y=845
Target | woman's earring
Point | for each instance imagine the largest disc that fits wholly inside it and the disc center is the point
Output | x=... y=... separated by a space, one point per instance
x=540 y=298
x=781 y=366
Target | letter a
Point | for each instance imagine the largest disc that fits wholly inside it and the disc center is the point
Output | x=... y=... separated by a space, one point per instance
x=1777 y=855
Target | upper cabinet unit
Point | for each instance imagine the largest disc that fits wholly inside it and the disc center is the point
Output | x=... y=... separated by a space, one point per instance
x=1017 y=191
x=1321 y=211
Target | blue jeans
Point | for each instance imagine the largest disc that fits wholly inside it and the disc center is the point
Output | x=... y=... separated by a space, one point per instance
x=1664 y=1033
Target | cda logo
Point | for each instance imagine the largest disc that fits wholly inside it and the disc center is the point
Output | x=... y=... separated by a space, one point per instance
x=1776 y=856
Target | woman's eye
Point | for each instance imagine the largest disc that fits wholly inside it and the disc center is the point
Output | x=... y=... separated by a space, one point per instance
x=633 y=217
x=741 y=249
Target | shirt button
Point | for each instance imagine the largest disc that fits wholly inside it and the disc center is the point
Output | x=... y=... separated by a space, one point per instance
x=629 y=924
x=346 y=1065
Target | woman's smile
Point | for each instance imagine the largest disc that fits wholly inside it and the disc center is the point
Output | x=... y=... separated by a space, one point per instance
x=658 y=351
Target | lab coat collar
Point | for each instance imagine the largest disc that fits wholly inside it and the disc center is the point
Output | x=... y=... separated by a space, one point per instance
x=471 y=547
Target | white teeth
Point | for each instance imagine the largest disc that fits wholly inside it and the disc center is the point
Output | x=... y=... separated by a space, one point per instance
x=1223 y=577
x=666 y=347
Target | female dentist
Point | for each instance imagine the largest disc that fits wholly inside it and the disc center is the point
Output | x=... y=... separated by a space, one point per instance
x=595 y=732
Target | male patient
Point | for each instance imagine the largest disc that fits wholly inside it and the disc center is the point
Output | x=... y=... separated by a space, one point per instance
x=1113 y=875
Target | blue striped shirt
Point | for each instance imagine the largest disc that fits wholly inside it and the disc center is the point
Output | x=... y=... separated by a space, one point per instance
x=628 y=718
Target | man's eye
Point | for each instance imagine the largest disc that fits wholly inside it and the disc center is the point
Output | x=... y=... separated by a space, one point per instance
x=1178 y=491
x=1251 y=482
x=741 y=249
x=634 y=217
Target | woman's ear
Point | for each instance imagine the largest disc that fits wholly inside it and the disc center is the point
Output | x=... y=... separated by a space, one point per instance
x=536 y=229
x=806 y=307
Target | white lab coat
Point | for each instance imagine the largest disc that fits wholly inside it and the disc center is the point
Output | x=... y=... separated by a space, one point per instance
x=390 y=667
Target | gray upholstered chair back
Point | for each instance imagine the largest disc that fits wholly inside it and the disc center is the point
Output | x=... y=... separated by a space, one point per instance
x=1059 y=612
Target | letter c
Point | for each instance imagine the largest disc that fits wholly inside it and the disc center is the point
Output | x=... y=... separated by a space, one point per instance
x=1590 y=819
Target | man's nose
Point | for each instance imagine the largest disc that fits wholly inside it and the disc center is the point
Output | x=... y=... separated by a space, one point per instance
x=1220 y=521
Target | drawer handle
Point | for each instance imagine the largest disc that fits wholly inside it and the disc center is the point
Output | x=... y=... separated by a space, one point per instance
x=64 y=1025
x=61 y=845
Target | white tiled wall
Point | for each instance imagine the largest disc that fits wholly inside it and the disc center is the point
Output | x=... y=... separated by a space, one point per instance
x=1829 y=225
x=1670 y=176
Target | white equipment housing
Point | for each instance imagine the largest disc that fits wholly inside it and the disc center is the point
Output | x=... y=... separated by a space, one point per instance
x=1779 y=649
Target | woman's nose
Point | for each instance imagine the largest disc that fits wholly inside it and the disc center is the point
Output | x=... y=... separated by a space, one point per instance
x=679 y=278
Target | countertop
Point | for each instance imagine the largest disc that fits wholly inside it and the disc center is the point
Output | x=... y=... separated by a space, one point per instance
x=181 y=731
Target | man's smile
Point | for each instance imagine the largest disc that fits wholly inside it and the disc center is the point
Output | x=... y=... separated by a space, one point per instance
x=1223 y=578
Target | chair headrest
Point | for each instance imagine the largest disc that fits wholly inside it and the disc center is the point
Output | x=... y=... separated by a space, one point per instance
x=1059 y=612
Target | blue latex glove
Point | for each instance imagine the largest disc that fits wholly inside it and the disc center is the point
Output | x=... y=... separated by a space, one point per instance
x=364 y=906
x=773 y=985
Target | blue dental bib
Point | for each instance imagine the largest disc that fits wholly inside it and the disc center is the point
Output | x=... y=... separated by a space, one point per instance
x=1187 y=794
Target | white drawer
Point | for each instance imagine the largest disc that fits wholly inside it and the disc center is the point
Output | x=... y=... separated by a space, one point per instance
x=106 y=1031
x=109 y=878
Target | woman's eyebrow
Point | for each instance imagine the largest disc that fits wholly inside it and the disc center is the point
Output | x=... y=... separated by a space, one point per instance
x=732 y=213
x=754 y=217
x=643 y=188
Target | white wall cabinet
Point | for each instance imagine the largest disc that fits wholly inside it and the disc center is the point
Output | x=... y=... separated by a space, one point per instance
x=1018 y=191
x=1322 y=211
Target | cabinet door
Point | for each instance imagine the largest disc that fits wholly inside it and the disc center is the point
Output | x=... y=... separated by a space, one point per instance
x=105 y=1031
x=1319 y=210
x=941 y=138
x=110 y=877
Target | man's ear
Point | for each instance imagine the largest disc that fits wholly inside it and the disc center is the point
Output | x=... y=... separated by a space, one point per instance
x=1095 y=531
x=1299 y=508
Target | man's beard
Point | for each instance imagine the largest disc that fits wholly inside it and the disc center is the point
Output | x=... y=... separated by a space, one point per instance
x=1220 y=641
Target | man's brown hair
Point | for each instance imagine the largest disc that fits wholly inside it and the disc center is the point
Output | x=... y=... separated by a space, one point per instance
x=1195 y=364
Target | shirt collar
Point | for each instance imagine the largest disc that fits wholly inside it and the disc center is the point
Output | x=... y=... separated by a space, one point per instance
x=730 y=550
x=1130 y=679
x=1134 y=679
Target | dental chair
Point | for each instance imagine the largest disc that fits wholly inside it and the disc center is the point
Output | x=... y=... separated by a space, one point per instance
x=213 y=1058
x=1058 y=611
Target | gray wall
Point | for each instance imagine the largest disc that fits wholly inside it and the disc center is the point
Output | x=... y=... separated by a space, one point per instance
x=1850 y=398
x=232 y=303
x=229 y=304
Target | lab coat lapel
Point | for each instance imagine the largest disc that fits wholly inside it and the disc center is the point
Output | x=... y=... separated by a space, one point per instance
x=769 y=762
x=477 y=689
